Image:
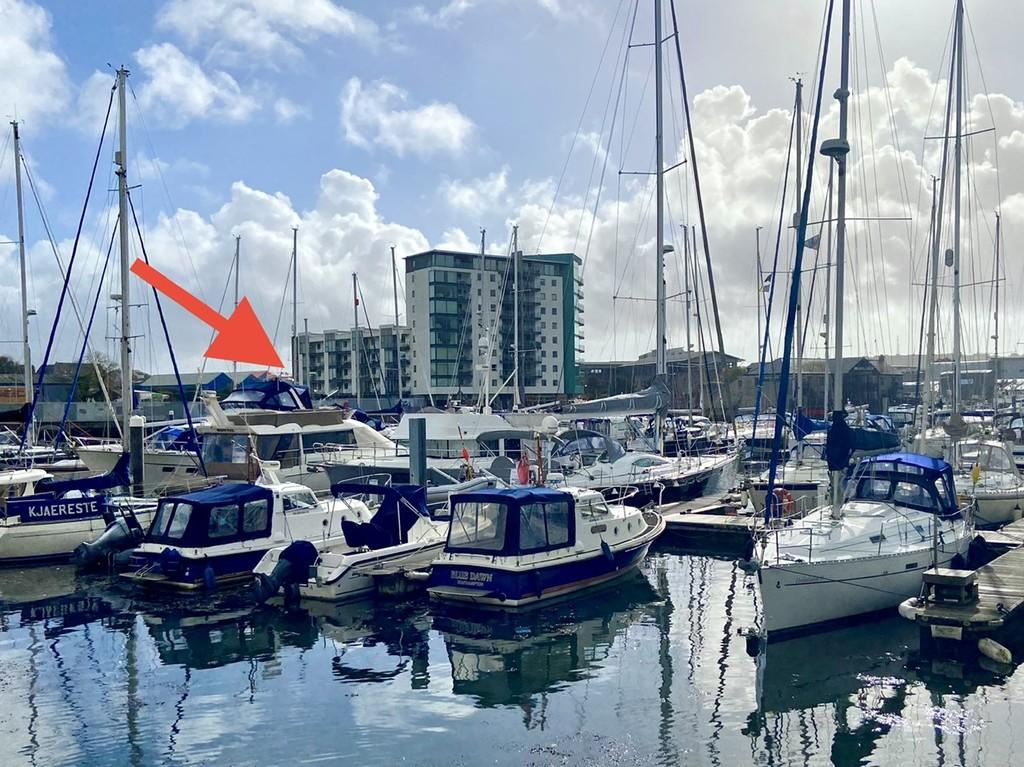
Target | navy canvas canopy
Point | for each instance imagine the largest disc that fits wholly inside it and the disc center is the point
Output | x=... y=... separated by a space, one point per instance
x=234 y=511
x=933 y=465
x=511 y=521
x=400 y=507
x=933 y=474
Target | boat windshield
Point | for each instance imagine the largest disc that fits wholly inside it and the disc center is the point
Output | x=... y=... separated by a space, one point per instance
x=988 y=458
x=478 y=527
x=906 y=488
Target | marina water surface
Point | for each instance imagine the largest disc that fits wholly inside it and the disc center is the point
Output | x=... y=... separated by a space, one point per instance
x=652 y=670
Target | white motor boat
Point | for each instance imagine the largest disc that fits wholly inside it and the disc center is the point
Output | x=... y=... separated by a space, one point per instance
x=986 y=473
x=899 y=517
x=402 y=533
x=216 y=536
x=518 y=546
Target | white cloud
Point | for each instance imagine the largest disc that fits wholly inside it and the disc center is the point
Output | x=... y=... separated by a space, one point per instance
x=286 y=111
x=477 y=195
x=261 y=32
x=34 y=83
x=451 y=13
x=146 y=168
x=378 y=114
x=178 y=90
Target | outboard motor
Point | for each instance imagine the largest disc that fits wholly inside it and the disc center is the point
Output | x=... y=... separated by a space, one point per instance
x=121 y=534
x=291 y=569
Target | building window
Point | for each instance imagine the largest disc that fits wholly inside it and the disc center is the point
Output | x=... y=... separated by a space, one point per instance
x=554 y=354
x=492 y=277
x=493 y=293
x=554 y=311
x=543 y=326
x=543 y=309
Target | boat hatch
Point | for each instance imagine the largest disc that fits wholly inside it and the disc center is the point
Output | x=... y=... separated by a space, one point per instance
x=224 y=514
x=511 y=522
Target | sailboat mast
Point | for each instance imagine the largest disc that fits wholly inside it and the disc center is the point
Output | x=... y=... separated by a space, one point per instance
x=828 y=287
x=957 y=150
x=995 y=316
x=840 y=151
x=295 y=304
x=689 y=344
x=398 y=335
x=659 y=164
x=25 y=348
x=238 y=245
x=355 y=338
x=798 y=117
x=127 y=383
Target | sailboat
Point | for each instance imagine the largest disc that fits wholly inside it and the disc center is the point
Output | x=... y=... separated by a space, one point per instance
x=899 y=513
x=43 y=519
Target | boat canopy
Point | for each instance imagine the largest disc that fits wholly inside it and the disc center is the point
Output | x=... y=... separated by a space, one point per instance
x=589 y=446
x=228 y=513
x=272 y=394
x=510 y=522
x=116 y=477
x=400 y=506
x=905 y=479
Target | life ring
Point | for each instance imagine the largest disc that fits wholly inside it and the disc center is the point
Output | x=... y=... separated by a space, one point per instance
x=784 y=503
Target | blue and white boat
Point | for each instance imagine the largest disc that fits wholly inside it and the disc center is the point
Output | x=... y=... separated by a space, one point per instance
x=216 y=536
x=519 y=546
x=46 y=519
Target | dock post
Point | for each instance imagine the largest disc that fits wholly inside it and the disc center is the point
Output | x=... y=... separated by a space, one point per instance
x=418 y=451
x=136 y=428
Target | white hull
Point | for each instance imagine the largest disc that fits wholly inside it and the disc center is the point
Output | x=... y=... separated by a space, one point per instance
x=355 y=578
x=52 y=540
x=802 y=595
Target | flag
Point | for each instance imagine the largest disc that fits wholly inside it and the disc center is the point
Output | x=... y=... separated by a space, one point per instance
x=813 y=243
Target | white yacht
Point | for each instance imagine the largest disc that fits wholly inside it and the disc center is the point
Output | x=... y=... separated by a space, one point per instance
x=898 y=518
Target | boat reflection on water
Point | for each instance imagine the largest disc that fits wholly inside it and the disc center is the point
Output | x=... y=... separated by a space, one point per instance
x=502 y=658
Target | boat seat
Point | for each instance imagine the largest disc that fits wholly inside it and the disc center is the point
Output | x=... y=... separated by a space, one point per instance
x=373 y=537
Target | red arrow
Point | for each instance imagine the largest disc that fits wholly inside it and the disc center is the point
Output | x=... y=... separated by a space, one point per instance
x=240 y=337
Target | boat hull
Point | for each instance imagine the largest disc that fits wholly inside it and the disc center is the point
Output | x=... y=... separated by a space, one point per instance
x=511 y=587
x=190 y=573
x=801 y=597
x=26 y=543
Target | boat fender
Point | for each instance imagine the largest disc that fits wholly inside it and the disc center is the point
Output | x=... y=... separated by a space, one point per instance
x=209 y=578
x=292 y=567
x=607 y=551
x=994 y=651
x=908 y=608
x=748 y=566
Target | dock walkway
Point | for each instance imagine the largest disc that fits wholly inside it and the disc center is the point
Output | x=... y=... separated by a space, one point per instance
x=999 y=589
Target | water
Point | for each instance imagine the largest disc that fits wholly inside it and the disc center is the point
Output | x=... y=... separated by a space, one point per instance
x=650 y=671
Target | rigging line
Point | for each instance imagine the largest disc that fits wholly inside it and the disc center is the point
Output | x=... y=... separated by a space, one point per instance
x=67 y=281
x=782 y=393
x=579 y=125
x=596 y=153
x=604 y=168
x=44 y=218
x=881 y=261
x=379 y=343
x=696 y=180
x=200 y=284
x=85 y=345
x=170 y=347
x=766 y=344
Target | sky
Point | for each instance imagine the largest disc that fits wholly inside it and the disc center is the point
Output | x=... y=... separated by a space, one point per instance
x=415 y=124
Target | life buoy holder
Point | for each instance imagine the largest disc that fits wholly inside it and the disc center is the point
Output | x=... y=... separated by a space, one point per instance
x=784 y=503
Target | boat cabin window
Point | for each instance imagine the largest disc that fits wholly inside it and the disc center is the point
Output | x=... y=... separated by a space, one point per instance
x=299 y=501
x=323 y=438
x=543 y=526
x=478 y=527
x=223 y=521
x=255 y=515
x=225 y=448
x=182 y=512
x=896 y=490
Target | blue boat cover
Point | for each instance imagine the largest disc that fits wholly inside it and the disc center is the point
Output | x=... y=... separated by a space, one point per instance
x=931 y=465
x=513 y=496
x=400 y=507
x=229 y=492
x=116 y=477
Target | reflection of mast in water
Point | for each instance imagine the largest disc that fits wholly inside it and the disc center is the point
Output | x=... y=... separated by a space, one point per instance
x=33 y=719
x=663 y=618
x=132 y=688
x=179 y=712
x=723 y=659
